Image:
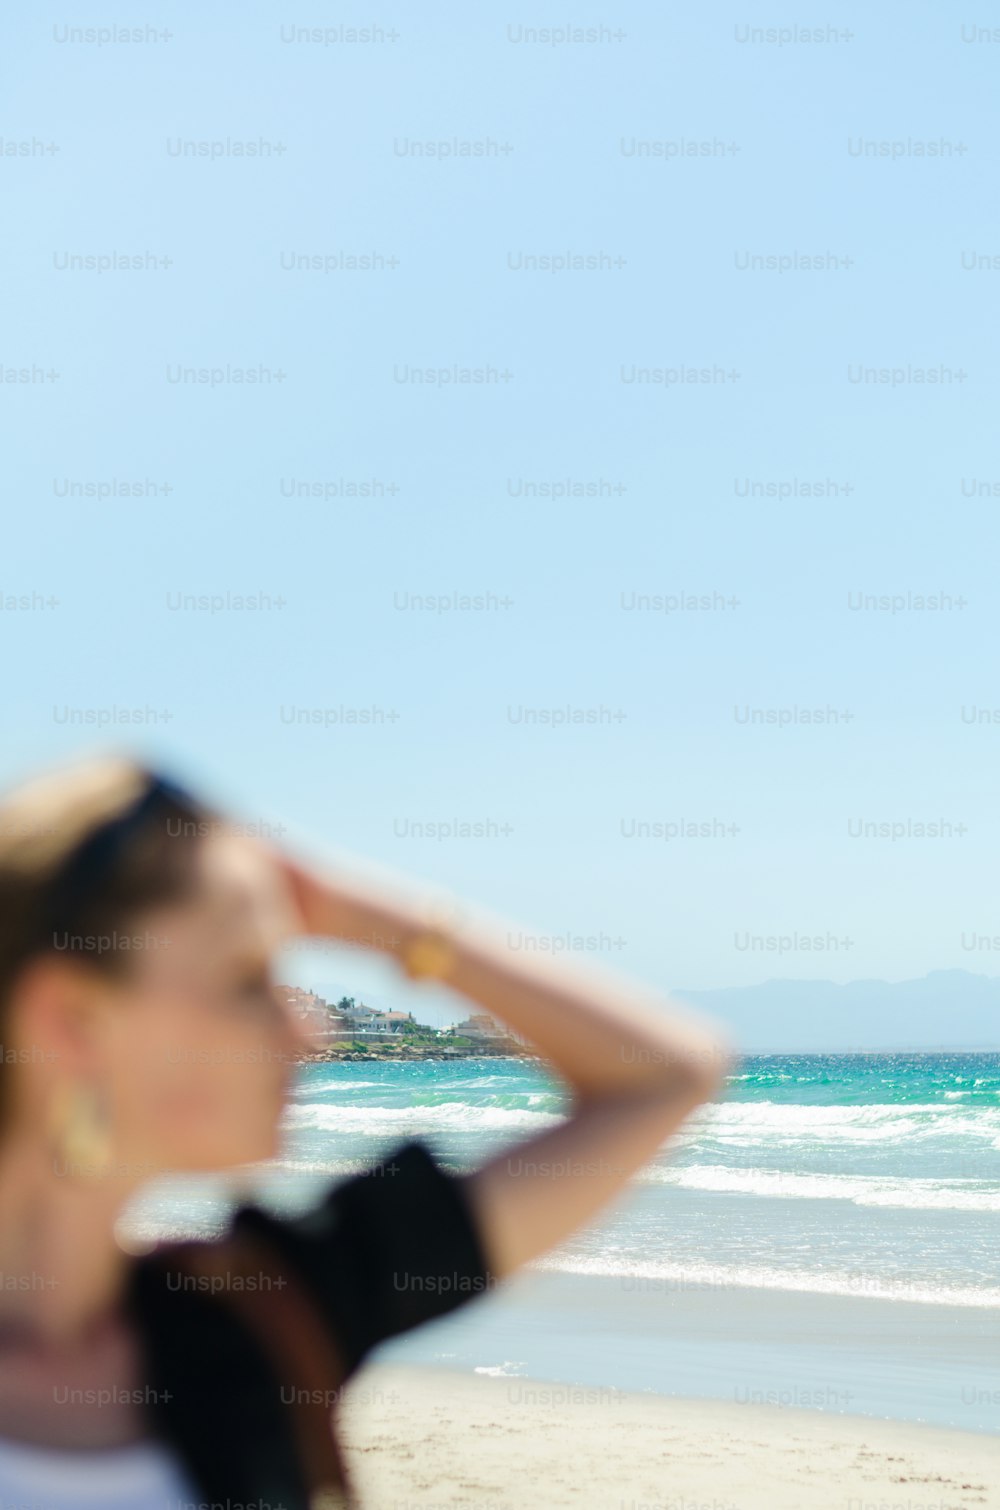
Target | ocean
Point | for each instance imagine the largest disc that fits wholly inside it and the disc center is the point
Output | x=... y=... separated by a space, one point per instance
x=859 y=1194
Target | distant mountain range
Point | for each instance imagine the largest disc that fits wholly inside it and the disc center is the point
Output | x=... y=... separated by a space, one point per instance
x=946 y=1009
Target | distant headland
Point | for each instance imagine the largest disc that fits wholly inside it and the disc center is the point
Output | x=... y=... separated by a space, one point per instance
x=350 y=1030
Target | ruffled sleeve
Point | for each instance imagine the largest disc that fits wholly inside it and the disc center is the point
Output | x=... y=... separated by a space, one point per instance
x=384 y=1251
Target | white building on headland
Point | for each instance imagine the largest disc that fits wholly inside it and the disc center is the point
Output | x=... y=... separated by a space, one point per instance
x=353 y=1021
x=360 y=1022
x=481 y=1027
x=335 y=1024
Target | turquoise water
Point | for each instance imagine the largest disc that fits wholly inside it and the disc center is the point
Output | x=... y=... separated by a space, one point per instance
x=851 y=1175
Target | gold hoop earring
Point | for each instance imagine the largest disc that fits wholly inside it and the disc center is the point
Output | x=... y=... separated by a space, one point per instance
x=81 y=1132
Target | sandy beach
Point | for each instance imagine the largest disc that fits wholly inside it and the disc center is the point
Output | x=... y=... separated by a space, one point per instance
x=428 y=1437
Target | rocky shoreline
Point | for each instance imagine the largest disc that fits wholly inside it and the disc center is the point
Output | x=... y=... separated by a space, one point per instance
x=396 y=1053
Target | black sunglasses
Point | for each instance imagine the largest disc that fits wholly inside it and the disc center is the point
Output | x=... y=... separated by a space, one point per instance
x=85 y=868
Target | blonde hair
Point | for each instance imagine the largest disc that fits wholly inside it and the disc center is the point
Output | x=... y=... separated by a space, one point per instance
x=43 y=824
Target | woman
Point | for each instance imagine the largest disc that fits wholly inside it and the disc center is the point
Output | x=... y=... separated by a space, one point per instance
x=142 y=1034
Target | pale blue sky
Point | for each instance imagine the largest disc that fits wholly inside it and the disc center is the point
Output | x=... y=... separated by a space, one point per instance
x=345 y=115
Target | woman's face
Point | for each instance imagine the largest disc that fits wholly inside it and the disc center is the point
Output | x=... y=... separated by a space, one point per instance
x=194 y=1051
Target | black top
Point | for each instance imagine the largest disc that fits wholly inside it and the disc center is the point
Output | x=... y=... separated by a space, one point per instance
x=383 y=1252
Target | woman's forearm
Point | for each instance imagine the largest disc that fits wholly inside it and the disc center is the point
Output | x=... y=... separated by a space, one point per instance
x=601 y=1032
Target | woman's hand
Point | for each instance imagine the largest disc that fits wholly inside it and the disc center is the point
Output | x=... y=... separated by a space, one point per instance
x=321 y=912
x=355 y=911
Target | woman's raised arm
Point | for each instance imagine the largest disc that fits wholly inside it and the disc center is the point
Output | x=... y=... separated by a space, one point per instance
x=634 y=1064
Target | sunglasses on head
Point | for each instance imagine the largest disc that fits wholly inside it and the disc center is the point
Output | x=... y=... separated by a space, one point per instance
x=95 y=857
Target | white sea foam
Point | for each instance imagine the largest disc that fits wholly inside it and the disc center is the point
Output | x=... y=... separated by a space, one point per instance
x=861 y=1190
x=669 y=1278
x=328 y=1087
x=373 y=1121
x=737 y=1123
x=746 y=1122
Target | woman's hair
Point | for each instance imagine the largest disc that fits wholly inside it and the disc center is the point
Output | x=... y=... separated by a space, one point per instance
x=85 y=849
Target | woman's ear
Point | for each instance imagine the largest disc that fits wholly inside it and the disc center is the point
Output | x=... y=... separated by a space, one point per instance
x=57 y=1010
